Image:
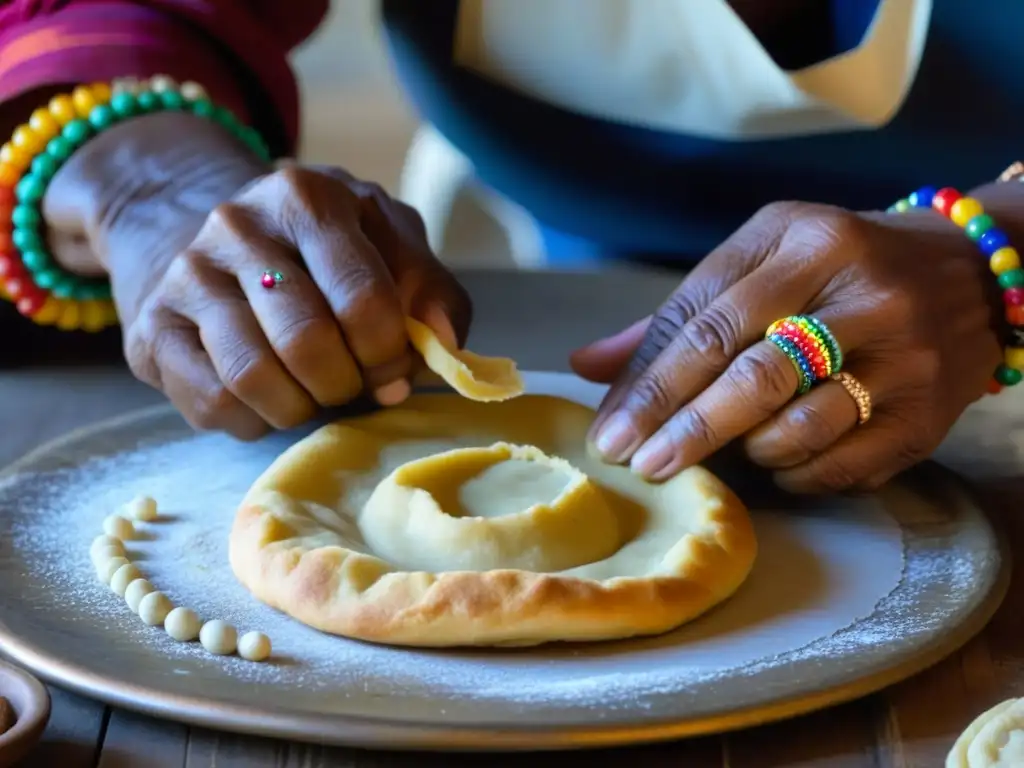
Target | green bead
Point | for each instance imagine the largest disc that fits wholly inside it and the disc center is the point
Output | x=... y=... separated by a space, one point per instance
x=102 y=117
x=172 y=100
x=124 y=104
x=76 y=132
x=26 y=217
x=1012 y=278
x=66 y=288
x=30 y=189
x=59 y=148
x=45 y=166
x=48 y=278
x=902 y=206
x=92 y=290
x=224 y=116
x=979 y=225
x=148 y=101
x=203 y=108
x=36 y=260
x=26 y=240
x=1008 y=376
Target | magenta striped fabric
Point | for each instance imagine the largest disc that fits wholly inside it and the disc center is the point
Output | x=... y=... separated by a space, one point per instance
x=238 y=49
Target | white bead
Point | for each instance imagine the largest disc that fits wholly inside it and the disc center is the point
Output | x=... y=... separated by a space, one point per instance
x=161 y=83
x=124 y=576
x=254 y=646
x=218 y=637
x=193 y=91
x=137 y=590
x=126 y=85
x=154 y=607
x=183 y=624
x=141 y=508
x=102 y=541
x=106 y=570
x=119 y=527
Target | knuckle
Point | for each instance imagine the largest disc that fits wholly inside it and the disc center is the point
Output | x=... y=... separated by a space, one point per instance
x=243 y=371
x=808 y=429
x=758 y=378
x=209 y=409
x=305 y=335
x=833 y=475
x=714 y=335
x=229 y=219
x=652 y=393
x=692 y=426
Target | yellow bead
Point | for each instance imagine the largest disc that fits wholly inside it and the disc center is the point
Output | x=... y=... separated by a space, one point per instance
x=1004 y=260
x=28 y=140
x=44 y=124
x=1015 y=358
x=70 y=317
x=101 y=92
x=50 y=311
x=14 y=156
x=83 y=100
x=965 y=209
x=92 y=316
x=109 y=314
x=63 y=109
x=9 y=175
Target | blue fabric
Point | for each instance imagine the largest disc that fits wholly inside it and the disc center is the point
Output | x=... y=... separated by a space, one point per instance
x=670 y=196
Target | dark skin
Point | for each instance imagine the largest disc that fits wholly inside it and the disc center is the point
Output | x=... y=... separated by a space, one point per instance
x=186 y=238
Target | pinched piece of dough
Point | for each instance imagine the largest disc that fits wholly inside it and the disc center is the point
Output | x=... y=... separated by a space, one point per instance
x=485 y=379
x=994 y=740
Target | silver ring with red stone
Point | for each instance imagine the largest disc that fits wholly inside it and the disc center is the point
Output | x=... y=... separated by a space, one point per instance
x=271 y=279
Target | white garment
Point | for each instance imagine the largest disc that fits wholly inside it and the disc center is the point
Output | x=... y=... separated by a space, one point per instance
x=688 y=66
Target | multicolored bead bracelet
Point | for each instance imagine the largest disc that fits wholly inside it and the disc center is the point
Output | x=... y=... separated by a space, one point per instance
x=1003 y=259
x=29 y=276
x=810 y=347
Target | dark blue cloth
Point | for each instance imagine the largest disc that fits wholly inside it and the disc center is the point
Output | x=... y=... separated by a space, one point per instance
x=662 y=196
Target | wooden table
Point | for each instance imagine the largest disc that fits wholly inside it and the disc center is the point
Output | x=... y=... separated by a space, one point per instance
x=909 y=726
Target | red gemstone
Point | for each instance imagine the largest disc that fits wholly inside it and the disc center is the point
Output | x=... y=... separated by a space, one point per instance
x=1013 y=296
x=944 y=199
x=994 y=387
x=268 y=280
x=31 y=301
x=10 y=266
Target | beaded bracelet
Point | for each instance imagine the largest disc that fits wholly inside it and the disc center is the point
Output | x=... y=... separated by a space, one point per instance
x=1003 y=260
x=809 y=345
x=29 y=276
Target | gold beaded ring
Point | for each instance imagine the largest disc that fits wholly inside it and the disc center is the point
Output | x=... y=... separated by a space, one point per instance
x=858 y=392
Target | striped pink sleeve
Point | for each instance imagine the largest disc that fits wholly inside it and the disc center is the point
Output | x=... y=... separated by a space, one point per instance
x=238 y=49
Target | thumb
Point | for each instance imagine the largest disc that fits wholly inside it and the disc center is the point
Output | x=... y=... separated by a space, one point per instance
x=602 y=361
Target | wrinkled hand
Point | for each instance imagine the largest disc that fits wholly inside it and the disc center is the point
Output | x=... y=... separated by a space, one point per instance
x=909 y=299
x=237 y=356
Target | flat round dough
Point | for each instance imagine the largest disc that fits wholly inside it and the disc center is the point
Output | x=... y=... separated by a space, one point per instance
x=994 y=740
x=484 y=546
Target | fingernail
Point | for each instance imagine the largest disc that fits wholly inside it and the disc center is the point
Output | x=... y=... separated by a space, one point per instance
x=394 y=393
x=616 y=438
x=654 y=458
x=437 y=319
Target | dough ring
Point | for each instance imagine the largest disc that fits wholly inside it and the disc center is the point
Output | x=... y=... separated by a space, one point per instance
x=994 y=740
x=448 y=522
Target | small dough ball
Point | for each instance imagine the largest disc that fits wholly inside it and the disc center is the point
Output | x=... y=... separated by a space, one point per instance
x=254 y=646
x=107 y=569
x=7 y=716
x=154 y=607
x=102 y=542
x=141 y=508
x=101 y=555
x=124 y=576
x=183 y=624
x=218 y=637
x=119 y=527
x=137 y=590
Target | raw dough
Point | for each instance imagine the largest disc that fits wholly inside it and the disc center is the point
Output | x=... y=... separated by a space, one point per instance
x=102 y=543
x=141 y=508
x=154 y=607
x=994 y=740
x=301 y=541
x=108 y=568
x=486 y=379
x=218 y=637
x=124 y=576
x=254 y=646
x=119 y=527
x=137 y=590
x=183 y=624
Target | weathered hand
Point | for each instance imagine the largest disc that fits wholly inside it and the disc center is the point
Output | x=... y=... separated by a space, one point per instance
x=909 y=299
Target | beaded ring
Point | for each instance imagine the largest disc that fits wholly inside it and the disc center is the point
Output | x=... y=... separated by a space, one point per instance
x=810 y=346
x=1003 y=259
x=29 y=276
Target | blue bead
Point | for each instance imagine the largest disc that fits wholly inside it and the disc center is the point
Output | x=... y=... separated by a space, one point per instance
x=992 y=241
x=922 y=198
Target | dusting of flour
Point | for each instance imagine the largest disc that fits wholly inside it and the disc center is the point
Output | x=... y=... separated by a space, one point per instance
x=827 y=587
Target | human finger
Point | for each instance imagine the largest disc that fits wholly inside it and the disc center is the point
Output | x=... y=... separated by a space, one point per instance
x=604 y=360
x=814 y=422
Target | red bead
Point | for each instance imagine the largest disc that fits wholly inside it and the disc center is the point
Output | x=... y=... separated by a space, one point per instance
x=268 y=281
x=6 y=246
x=1015 y=314
x=1013 y=296
x=994 y=387
x=944 y=199
x=10 y=266
x=31 y=301
x=7 y=198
